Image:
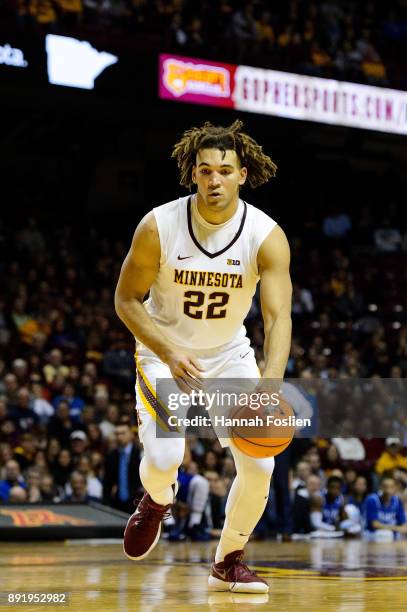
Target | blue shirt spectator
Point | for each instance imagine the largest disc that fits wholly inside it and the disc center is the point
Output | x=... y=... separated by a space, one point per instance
x=13 y=478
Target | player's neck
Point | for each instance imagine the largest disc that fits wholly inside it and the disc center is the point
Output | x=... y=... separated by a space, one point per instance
x=216 y=217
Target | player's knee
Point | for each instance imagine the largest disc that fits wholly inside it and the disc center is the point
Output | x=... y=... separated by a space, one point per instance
x=166 y=457
x=260 y=468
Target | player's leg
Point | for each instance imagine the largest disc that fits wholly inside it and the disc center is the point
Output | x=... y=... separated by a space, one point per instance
x=159 y=465
x=247 y=498
x=245 y=505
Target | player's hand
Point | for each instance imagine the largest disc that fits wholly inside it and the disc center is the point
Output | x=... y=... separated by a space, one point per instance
x=270 y=387
x=185 y=369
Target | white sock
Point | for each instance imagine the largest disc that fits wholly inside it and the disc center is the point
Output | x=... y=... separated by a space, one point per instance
x=230 y=541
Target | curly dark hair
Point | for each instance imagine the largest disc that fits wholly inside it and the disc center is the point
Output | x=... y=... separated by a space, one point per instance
x=260 y=167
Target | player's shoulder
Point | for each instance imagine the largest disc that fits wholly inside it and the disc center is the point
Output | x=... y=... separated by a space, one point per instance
x=255 y=215
x=172 y=207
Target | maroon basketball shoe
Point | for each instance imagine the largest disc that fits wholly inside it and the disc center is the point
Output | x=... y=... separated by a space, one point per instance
x=143 y=528
x=232 y=574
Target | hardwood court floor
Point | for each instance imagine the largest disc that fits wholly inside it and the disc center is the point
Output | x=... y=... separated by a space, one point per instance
x=351 y=576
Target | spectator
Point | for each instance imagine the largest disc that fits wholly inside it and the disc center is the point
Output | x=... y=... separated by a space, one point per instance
x=43 y=409
x=78 y=445
x=391 y=459
x=78 y=486
x=33 y=479
x=358 y=494
x=76 y=404
x=302 y=504
x=122 y=481
x=48 y=489
x=194 y=493
x=108 y=425
x=60 y=426
x=385 y=516
x=93 y=484
x=22 y=413
x=54 y=366
x=302 y=472
x=62 y=468
x=17 y=495
x=25 y=452
x=328 y=511
x=13 y=478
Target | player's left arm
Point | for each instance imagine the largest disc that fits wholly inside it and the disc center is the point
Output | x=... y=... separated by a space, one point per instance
x=273 y=262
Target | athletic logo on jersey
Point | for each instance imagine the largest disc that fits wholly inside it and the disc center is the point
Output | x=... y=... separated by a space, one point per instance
x=196 y=278
x=233 y=262
x=187 y=257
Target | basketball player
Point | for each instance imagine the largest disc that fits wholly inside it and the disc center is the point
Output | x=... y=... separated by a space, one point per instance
x=200 y=257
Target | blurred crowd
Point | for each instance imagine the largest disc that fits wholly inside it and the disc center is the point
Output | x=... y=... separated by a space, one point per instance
x=68 y=428
x=363 y=42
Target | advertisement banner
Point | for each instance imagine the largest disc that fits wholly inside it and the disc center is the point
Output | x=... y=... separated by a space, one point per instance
x=282 y=94
x=195 y=81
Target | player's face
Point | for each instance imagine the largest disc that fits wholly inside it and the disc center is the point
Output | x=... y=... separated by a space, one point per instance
x=218 y=176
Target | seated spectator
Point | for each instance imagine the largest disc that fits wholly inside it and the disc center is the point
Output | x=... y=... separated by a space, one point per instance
x=93 y=484
x=301 y=473
x=33 y=480
x=17 y=495
x=62 y=468
x=76 y=404
x=385 y=516
x=328 y=513
x=22 y=413
x=52 y=450
x=54 y=365
x=20 y=369
x=302 y=504
x=12 y=478
x=331 y=459
x=108 y=425
x=391 y=459
x=24 y=453
x=78 y=445
x=357 y=497
x=60 y=425
x=96 y=441
x=79 y=493
x=48 y=489
x=40 y=405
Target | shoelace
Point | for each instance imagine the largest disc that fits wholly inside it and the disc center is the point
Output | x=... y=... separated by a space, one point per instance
x=163 y=515
x=239 y=564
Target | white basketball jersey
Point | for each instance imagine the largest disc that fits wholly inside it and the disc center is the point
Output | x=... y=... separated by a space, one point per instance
x=208 y=273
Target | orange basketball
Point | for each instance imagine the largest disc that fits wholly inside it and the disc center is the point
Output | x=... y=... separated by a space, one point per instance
x=270 y=436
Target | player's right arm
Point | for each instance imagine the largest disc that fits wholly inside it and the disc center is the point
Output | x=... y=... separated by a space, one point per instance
x=138 y=273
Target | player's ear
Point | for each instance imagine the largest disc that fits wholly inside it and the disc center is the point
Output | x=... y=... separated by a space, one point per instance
x=243 y=175
x=194 y=174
